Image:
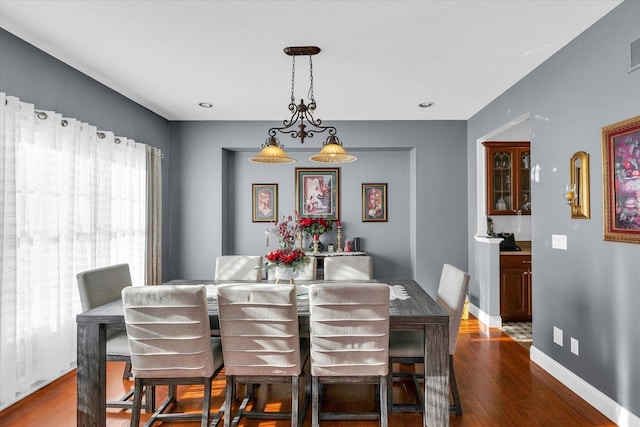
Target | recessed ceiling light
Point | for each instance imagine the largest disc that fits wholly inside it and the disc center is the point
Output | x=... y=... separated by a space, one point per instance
x=426 y=104
x=206 y=105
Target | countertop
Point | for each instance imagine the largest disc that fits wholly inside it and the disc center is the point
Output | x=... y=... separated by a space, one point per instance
x=525 y=245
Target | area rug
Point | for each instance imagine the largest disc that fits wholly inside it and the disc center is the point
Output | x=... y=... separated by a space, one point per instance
x=521 y=332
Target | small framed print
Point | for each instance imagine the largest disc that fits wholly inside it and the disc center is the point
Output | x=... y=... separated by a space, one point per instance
x=374 y=202
x=265 y=202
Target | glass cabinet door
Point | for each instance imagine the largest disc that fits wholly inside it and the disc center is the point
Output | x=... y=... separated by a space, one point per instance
x=502 y=178
x=525 y=180
x=508 y=177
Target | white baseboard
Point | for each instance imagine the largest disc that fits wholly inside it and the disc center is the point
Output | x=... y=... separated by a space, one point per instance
x=603 y=403
x=490 y=321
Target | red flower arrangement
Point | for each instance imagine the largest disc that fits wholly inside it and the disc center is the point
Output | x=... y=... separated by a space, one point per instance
x=291 y=258
x=313 y=226
x=287 y=256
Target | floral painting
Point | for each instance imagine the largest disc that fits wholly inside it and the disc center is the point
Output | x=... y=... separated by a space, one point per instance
x=318 y=193
x=621 y=170
x=265 y=202
x=374 y=202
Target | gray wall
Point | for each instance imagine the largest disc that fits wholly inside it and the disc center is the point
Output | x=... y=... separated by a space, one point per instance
x=423 y=163
x=38 y=78
x=207 y=181
x=591 y=291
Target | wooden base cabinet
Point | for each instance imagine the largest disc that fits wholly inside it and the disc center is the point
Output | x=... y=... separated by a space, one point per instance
x=515 y=288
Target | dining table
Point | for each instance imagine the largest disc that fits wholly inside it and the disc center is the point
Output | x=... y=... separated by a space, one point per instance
x=411 y=308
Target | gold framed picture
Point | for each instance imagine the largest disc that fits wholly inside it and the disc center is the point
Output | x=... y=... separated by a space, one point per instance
x=318 y=193
x=621 y=180
x=374 y=202
x=265 y=202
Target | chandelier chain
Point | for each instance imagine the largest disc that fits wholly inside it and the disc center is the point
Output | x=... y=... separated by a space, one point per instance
x=310 y=94
x=293 y=80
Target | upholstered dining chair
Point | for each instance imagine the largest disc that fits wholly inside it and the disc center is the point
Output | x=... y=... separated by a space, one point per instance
x=307 y=273
x=168 y=332
x=261 y=345
x=353 y=267
x=97 y=287
x=238 y=267
x=407 y=347
x=349 y=332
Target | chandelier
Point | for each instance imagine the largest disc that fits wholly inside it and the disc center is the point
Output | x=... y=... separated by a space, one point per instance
x=302 y=119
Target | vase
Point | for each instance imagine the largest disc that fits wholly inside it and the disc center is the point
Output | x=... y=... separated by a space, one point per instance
x=316 y=245
x=286 y=273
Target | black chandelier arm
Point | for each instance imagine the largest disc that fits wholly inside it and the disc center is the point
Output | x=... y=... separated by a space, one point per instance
x=302 y=133
x=274 y=131
x=299 y=114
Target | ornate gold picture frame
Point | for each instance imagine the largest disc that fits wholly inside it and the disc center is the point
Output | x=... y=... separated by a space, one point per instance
x=318 y=193
x=621 y=180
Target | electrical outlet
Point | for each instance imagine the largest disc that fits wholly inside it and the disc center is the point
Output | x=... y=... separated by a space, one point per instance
x=557 y=336
x=575 y=346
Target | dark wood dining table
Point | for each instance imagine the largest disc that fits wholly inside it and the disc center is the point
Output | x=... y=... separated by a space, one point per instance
x=411 y=309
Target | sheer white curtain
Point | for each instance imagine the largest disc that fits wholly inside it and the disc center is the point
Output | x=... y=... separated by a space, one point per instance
x=71 y=198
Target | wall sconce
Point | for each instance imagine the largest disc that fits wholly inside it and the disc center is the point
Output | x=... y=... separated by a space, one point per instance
x=577 y=192
x=570 y=194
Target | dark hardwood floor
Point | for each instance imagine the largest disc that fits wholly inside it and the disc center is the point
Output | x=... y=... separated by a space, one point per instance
x=498 y=385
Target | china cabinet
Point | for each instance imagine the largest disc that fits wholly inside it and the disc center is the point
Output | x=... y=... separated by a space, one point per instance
x=508 y=177
x=515 y=288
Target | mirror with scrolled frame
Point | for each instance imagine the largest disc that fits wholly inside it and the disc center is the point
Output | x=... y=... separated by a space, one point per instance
x=579 y=174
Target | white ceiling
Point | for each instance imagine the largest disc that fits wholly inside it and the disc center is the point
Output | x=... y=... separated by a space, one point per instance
x=379 y=59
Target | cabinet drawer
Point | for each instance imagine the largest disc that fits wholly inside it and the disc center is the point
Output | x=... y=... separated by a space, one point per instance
x=515 y=261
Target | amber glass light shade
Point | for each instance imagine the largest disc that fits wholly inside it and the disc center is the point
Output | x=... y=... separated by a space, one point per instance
x=272 y=153
x=332 y=152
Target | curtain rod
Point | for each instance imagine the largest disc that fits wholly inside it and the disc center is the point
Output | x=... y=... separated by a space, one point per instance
x=43 y=116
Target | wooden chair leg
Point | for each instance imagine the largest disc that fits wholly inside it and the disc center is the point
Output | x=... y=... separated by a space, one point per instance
x=229 y=396
x=126 y=374
x=206 y=405
x=150 y=399
x=137 y=403
x=390 y=388
x=457 y=406
x=315 y=402
x=384 y=415
x=295 y=400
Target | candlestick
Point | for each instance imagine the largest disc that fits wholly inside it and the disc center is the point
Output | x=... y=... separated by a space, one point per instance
x=339 y=237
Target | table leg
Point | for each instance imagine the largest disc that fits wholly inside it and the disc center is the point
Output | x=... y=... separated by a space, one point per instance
x=436 y=365
x=91 y=375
